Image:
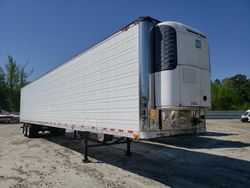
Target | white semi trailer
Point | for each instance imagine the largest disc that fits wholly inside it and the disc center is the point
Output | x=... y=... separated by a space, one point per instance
x=149 y=79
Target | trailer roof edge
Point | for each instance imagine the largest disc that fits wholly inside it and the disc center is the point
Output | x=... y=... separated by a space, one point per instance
x=139 y=19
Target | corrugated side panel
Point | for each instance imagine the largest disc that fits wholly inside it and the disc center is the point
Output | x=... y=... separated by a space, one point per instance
x=98 y=88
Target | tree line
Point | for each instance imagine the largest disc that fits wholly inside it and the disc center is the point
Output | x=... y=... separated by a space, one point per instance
x=231 y=93
x=228 y=94
x=12 y=78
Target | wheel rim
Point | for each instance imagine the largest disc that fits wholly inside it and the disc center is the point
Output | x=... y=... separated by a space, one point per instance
x=25 y=130
x=28 y=131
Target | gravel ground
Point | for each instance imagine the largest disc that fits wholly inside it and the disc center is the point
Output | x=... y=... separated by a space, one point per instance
x=219 y=158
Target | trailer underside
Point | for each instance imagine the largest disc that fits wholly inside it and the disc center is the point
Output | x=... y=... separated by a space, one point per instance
x=32 y=131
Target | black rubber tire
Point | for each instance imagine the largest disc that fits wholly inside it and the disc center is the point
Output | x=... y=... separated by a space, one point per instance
x=244 y=120
x=31 y=131
x=28 y=131
x=23 y=128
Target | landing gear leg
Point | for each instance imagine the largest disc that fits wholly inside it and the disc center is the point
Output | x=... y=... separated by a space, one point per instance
x=84 y=136
x=75 y=135
x=128 y=152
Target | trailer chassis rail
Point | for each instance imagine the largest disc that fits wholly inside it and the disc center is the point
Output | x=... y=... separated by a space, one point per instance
x=84 y=137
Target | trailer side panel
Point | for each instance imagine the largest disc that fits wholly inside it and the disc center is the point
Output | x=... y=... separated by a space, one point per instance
x=98 y=89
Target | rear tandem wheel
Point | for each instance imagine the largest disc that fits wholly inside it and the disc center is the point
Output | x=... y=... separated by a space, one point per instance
x=29 y=130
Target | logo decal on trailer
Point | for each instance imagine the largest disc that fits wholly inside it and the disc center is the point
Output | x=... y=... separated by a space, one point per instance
x=197 y=43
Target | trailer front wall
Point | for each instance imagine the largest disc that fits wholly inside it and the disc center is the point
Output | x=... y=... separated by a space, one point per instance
x=97 y=89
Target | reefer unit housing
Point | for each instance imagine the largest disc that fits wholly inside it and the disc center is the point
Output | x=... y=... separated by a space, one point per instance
x=149 y=79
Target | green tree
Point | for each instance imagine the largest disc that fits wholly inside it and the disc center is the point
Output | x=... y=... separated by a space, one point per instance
x=11 y=82
x=3 y=91
x=215 y=87
x=227 y=95
x=12 y=74
x=24 y=75
x=241 y=86
x=231 y=93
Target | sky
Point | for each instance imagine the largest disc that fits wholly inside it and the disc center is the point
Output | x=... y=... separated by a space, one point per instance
x=47 y=33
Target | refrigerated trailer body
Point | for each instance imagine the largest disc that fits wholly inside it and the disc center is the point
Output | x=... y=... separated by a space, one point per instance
x=150 y=79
